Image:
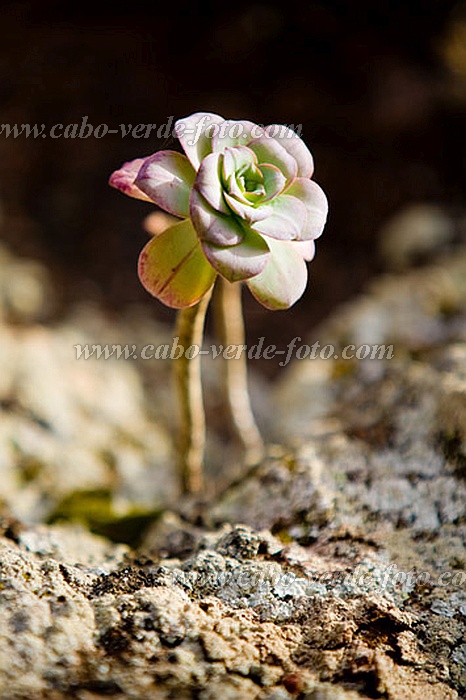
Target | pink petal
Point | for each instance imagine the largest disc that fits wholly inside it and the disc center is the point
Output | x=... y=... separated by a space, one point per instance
x=288 y=215
x=274 y=181
x=236 y=159
x=209 y=184
x=284 y=279
x=211 y=226
x=191 y=131
x=306 y=248
x=241 y=261
x=167 y=178
x=312 y=196
x=247 y=211
x=270 y=151
x=294 y=146
x=235 y=133
x=123 y=179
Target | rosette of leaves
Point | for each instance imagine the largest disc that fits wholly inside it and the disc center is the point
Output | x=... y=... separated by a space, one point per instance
x=246 y=206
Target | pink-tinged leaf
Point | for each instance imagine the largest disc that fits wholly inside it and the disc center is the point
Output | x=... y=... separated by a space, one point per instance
x=173 y=268
x=209 y=183
x=191 y=131
x=306 y=248
x=287 y=218
x=235 y=133
x=237 y=160
x=167 y=178
x=123 y=179
x=232 y=187
x=274 y=181
x=312 y=196
x=269 y=151
x=295 y=146
x=246 y=211
x=238 y=163
x=211 y=226
x=284 y=279
x=241 y=261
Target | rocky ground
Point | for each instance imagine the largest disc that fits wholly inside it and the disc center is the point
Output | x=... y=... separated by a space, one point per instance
x=333 y=570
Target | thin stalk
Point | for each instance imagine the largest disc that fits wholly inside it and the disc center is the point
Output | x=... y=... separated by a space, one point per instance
x=230 y=328
x=190 y=331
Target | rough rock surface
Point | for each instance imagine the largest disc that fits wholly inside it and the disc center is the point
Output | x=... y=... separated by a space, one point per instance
x=333 y=570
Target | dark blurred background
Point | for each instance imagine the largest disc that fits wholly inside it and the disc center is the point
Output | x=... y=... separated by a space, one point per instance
x=379 y=88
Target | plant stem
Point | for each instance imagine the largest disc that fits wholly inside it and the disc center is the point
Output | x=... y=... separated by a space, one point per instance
x=230 y=327
x=190 y=331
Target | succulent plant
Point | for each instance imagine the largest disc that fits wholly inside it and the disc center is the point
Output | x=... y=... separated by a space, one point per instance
x=245 y=210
